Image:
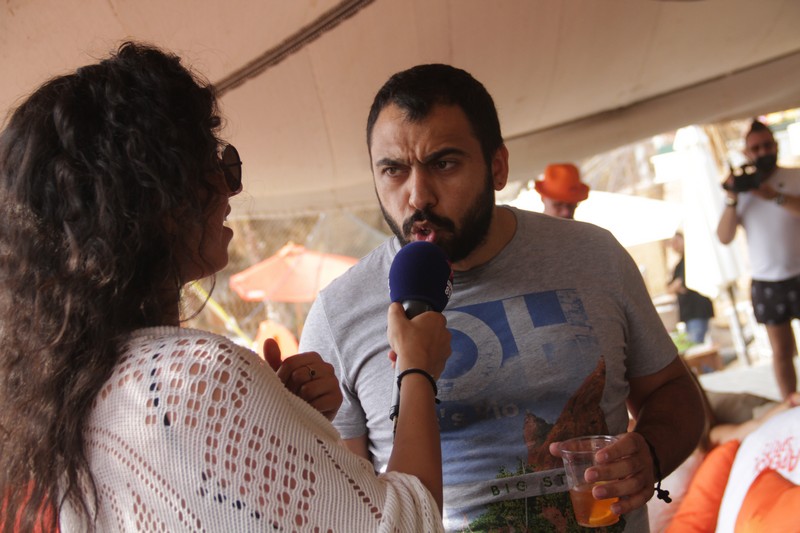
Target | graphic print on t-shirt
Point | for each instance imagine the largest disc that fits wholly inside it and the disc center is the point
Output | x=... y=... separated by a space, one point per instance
x=524 y=372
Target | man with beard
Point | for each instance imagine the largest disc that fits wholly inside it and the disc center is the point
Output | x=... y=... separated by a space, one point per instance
x=553 y=332
x=767 y=204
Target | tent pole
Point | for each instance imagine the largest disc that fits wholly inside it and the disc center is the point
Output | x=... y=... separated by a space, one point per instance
x=230 y=322
x=739 y=343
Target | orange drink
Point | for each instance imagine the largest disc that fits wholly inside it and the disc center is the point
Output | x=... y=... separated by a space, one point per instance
x=590 y=512
x=578 y=455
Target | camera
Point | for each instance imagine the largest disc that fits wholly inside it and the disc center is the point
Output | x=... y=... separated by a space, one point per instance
x=747 y=178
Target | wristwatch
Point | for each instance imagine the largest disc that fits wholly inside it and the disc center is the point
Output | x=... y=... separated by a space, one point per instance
x=731 y=201
x=780 y=199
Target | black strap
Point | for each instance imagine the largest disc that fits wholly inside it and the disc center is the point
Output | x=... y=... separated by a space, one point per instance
x=408 y=371
x=661 y=494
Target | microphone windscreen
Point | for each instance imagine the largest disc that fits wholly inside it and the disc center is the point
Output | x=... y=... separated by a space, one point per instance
x=421 y=271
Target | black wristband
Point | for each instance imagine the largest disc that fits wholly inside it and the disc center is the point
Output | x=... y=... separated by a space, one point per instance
x=408 y=371
x=661 y=494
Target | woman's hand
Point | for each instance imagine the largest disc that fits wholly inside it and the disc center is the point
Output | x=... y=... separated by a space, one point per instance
x=423 y=342
x=307 y=376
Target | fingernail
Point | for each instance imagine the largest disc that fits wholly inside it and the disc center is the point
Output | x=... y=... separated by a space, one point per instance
x=600 y=493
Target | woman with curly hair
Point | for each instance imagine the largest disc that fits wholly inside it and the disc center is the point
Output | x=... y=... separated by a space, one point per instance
x=114 y=189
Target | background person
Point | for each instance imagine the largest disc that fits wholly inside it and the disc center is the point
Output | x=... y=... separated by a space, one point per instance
x=770 y=215
x=561 y=190
x=114 y=189
x=694 y=309
x=554 y=333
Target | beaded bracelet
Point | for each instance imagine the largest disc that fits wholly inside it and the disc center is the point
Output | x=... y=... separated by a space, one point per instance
x=661 y=494
x=408 y=371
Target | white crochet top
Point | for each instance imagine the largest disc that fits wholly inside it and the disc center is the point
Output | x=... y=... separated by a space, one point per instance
x=194 y=433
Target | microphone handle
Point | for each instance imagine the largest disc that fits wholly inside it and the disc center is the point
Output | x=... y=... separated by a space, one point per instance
x=412 y=308
x=415 y=307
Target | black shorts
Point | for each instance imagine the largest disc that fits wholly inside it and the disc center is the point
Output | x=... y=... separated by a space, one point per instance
x=776 y=302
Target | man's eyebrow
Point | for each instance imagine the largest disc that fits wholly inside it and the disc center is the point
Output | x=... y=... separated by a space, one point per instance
x=430 y=158
x=388 y=162
x=444 y=152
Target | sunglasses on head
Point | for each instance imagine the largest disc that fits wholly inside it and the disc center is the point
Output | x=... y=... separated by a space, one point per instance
x=231 y=165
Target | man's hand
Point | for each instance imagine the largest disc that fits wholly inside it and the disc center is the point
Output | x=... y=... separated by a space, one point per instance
x=307 y=376
x=627 y=468
x=726 y=229
x=728 y=185
x=765 y=191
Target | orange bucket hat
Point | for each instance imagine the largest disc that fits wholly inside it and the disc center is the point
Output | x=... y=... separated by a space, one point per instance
x=562 y=182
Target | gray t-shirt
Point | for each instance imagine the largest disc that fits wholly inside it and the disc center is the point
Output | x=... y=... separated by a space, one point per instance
x=544 y=338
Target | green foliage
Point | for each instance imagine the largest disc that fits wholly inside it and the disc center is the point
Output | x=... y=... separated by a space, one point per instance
x=681 y=341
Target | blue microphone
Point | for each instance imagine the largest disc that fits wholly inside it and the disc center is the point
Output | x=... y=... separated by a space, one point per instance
x=420 y=278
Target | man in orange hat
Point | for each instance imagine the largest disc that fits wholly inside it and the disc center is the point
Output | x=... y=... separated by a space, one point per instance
x=561 y=190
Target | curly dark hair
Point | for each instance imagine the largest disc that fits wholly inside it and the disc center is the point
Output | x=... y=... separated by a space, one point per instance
x=102 y=172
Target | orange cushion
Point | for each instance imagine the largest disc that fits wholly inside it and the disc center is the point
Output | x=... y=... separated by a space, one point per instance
x=771 y=504
x=700 y=506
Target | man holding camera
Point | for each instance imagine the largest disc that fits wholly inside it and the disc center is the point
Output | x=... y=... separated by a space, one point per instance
x=765 y=200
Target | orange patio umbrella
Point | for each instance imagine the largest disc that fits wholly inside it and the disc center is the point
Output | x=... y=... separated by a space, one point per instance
x=294 y=274
x=286 y=340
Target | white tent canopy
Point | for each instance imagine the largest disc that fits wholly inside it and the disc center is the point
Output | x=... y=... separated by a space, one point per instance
x=570 y=78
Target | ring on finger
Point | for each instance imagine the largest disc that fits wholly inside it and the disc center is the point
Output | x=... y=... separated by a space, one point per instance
x=311 y=372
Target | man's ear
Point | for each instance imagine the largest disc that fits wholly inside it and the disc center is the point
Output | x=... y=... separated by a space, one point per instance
x=500 y=168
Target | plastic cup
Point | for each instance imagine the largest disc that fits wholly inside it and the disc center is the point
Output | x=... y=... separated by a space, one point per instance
x=578 y=455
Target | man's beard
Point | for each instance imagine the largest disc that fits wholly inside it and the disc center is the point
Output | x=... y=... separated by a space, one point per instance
x=767 y=163
x=461 y=240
